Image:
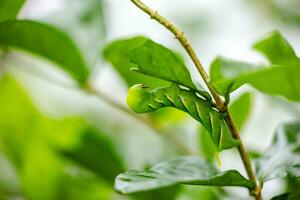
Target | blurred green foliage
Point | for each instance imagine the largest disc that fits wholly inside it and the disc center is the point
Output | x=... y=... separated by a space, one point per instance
x=46 y=41
x=34 y=142
x=10 y=9
x=284 y=11
x=84 y=23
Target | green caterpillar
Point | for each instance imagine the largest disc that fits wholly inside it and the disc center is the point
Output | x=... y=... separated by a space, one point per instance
x=141 y=100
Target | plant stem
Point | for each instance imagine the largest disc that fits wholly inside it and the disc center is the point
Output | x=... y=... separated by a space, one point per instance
x=220 y=104
x=244 y=155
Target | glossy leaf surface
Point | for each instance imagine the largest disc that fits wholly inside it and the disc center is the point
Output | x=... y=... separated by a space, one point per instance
x=156 y=60
x=183 y=170
x=116 y=53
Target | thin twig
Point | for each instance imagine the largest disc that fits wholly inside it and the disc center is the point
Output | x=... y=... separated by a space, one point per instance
x=164 y=133
x=244 y=155
x=220 y=104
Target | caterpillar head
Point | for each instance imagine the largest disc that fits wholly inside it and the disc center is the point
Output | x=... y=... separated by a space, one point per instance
x=138 y=98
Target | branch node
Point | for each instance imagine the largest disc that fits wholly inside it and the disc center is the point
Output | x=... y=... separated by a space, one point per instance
x=180 y=35
x=153 y=14
x=168 y=25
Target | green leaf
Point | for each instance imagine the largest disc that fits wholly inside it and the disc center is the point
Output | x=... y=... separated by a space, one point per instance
x=21 y=141
x=97 y=154
x=9 y=9
x=254 y=154
x=277 y=49
x=292 y=183
x=141 y=100
x=283 y=156
x=183 y=170
x=45 y=41
x=240 y=109
x=228 y=75
x=287 y=196
x=116 y=53
x=85 y=186
x=41 y=160
x=283 y=81
x=158 y=61
x=16 y=116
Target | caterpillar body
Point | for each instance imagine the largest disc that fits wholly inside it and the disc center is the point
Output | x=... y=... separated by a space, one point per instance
x=141 y=100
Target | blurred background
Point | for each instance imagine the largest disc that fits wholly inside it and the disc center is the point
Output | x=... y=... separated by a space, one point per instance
x=60 y=142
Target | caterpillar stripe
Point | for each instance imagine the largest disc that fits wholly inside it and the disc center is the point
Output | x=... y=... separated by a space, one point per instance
x=141 y=100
